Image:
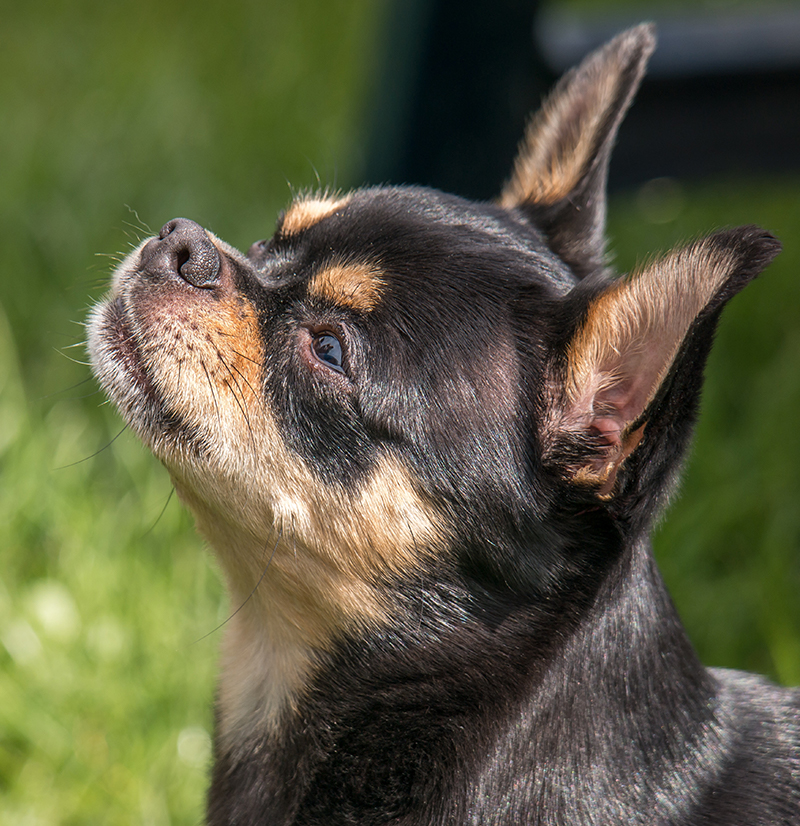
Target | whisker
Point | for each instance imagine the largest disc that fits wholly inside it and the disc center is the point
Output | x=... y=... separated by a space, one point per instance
x=213 y=392
x=96 y=453
x=96 y=392
x=240 y=402
x=158 y=518
x=61 y=352
x=243 y=411
x=113 y=256
x=72 y=387
x=242 y=355
x=142 y=224
x=250 y=595
x=257 y=396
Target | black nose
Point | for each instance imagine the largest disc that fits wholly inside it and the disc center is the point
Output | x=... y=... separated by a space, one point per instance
x=182 y=248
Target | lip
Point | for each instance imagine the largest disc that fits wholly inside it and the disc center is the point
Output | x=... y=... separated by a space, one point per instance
x=123 y=350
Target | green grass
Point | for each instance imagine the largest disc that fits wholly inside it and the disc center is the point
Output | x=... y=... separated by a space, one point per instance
x=111 y=113
x=106 y=675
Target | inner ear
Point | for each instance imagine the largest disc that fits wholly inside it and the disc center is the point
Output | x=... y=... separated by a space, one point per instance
x=630 y=336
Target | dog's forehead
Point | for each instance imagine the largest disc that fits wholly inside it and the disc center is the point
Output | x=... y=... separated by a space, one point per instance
x=421 y=235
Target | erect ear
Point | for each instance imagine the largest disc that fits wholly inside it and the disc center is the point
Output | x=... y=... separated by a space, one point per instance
x=561 y=171
x=632 y=370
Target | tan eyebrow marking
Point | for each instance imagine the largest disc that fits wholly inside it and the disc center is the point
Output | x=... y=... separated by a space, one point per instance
x=309 y=211
x=358 y=285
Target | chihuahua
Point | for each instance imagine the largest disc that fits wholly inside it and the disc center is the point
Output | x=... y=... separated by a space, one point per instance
x=427 y=439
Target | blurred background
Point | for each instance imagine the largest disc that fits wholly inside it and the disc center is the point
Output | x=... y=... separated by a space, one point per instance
x=115 y=117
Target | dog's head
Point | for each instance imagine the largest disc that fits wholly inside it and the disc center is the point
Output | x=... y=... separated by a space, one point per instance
x=401 y=384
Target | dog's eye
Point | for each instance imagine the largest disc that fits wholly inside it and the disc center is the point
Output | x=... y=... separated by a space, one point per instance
x=328 y=349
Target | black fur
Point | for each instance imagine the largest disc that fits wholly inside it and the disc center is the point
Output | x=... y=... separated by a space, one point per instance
x=530 y=669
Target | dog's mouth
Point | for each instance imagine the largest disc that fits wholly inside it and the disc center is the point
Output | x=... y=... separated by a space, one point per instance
x=118 y=361
x=124 y=350
x=125 y=360
x=177 y=347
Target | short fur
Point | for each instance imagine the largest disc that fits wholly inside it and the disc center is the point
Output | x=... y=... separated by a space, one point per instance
x=427 y=439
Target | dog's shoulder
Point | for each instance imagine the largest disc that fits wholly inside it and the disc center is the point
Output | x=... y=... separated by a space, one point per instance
x=761 y=760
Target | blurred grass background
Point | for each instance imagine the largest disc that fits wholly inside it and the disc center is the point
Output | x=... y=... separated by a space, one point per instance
x=115 y=117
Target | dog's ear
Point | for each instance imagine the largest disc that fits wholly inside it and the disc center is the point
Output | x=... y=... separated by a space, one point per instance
x=560 y=174
x=629 y=375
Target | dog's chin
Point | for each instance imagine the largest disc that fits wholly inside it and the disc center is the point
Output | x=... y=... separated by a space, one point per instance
x=119 y=366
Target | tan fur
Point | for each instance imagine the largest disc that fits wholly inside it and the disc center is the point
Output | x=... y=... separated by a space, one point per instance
x=561 y=141
x=631 y=335
x=327 y=550
x=306 y=212
x=646 y=315
x=324 y=577
x=356 y=285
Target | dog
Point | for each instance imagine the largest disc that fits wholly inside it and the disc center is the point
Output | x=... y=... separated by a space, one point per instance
x=427 y=439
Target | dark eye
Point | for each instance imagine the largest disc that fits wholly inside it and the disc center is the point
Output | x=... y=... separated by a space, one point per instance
x=328 y=349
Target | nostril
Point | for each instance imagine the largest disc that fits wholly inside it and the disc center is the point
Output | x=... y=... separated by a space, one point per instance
x=182 y=258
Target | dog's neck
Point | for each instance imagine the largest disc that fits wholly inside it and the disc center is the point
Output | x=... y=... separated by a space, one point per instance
x=621 y=700
x=431 y=711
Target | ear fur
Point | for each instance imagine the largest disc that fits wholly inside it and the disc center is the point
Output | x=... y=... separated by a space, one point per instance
x=561 y=171
x=630 y=338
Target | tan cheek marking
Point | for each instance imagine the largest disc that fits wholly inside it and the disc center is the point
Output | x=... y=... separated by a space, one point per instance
x=205 y=361
x=328 y=574
x=386 y=528
x=334 y=550
x=309 y=211
x=358 y=286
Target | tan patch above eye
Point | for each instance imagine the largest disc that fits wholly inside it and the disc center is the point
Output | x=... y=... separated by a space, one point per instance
x=358 y=286
x=305 y=213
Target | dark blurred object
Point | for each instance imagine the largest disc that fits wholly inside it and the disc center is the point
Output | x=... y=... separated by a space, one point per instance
x=722 y=94
x=460 y=79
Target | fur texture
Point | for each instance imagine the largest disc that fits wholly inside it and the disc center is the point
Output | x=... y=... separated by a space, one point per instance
x=427 y=439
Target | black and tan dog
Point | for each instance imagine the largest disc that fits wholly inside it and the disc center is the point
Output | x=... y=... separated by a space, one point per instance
x=427 y=439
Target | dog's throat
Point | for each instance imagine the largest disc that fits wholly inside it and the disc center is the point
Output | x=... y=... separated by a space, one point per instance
x=262 y=678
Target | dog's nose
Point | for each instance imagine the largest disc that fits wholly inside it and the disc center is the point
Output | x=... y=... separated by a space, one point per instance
x=182 y=248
